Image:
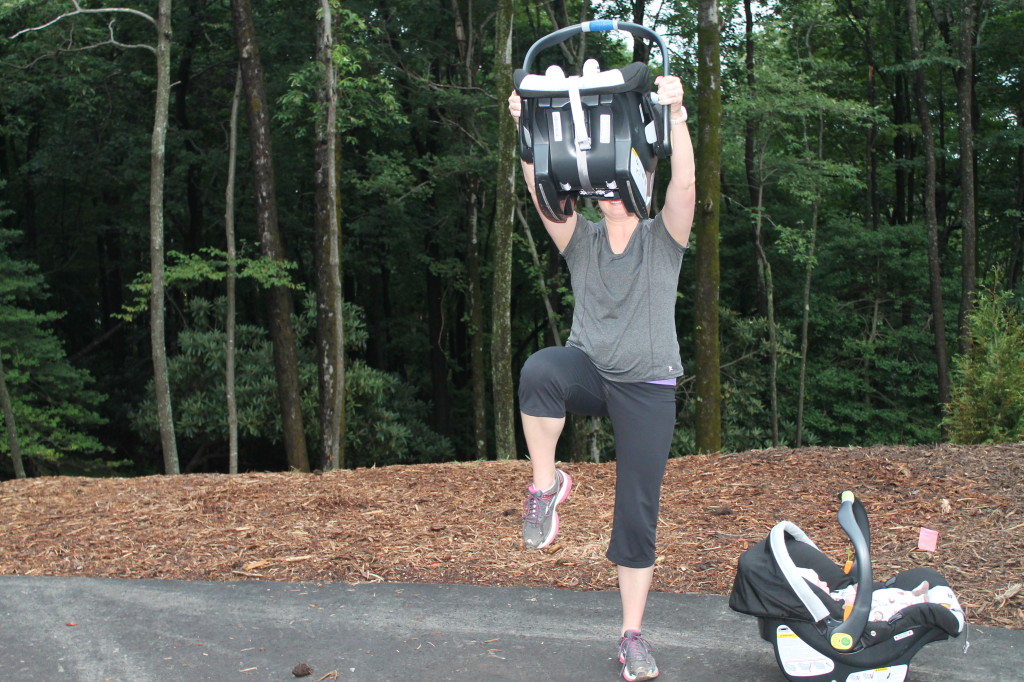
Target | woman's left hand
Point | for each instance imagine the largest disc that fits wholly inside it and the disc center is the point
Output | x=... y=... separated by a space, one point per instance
x=670 y=92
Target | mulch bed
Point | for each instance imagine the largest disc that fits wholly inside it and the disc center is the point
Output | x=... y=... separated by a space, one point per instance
x=460 y=522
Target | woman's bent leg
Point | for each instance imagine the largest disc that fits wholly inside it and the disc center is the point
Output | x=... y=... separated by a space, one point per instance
x=553 y=381
x=541 y=435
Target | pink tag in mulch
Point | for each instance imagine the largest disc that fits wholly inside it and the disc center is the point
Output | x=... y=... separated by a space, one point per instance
x=929 y=540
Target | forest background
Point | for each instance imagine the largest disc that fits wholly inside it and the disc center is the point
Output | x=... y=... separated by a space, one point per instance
x=184 y=210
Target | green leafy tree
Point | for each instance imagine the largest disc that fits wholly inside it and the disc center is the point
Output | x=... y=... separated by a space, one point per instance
x=331 y=96
x=280 y=305
x=842 y=198
x=161 y=49
x=49 y=408
x=385 y=422
x=987 y=401
x=746 y=347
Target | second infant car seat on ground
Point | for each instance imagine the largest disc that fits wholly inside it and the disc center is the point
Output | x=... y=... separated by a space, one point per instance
x=792 y=588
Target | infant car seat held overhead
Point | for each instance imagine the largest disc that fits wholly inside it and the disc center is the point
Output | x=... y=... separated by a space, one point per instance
x=814 y=640
x=599 y=134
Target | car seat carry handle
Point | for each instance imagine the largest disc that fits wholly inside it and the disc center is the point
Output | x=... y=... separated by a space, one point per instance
x=853 y=518
x=563 y=34
x=861 y=515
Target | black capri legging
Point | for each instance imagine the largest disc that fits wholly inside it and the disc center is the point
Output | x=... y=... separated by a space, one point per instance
x=558 y=380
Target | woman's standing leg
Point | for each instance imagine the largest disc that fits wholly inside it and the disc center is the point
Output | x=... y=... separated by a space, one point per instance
x=634 y=586
x=643 y=419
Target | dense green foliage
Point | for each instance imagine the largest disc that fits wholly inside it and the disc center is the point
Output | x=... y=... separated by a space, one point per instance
x=386 y=421
x=820 y=143
x=53 y=404
x=988 y=403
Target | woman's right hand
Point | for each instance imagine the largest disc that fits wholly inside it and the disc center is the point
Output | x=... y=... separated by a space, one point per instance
x=515 y=105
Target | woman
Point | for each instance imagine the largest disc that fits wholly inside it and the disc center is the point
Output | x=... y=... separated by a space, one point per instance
x=621 y=361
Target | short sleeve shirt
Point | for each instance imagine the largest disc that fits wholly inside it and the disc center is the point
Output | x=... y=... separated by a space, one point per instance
x=624 y=313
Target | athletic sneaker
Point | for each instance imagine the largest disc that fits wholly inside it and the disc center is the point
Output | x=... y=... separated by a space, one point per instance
x=636 y=657
x=540 y=520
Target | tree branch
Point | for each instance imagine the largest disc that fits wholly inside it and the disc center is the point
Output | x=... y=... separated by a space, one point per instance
x=112 y=41
x=80 y=10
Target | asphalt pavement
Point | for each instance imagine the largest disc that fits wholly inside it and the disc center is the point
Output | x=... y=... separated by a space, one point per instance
x=112 y=630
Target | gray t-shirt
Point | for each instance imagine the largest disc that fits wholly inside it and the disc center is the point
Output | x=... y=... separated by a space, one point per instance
x=624 y=314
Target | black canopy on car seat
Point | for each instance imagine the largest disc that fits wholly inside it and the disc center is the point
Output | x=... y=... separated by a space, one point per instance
x=762 y=588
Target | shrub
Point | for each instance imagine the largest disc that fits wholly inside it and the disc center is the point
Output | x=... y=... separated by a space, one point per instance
x=987 y=399
x=385 y=422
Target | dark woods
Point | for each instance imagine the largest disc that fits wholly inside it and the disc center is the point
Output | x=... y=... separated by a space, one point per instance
x=870 y=237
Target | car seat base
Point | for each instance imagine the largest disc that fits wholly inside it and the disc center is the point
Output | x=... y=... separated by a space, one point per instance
x=800 y=662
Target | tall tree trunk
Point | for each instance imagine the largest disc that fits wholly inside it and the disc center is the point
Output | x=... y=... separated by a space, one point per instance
x=873 y=199
x=901 y=147
x=504 y=216
x=157 y=328
x=709 y=165
x=477 y=354
x=10 y=424
x=229 y=322
x=470 y=196
x=965 y=104
x=764 y=269
x=330 y=333
x=440 y=396
x=931 y=216
x=750 y=141
x=542 y=285
x=1016 y=267
x=573 y=49
x=641 y=50
x=755 y=190
x=805 y=318
x=750 y=138
x=192 y=225
x=805 y=321
x=279 y=298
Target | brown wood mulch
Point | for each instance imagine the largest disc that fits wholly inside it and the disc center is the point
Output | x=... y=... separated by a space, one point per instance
x=460 y=522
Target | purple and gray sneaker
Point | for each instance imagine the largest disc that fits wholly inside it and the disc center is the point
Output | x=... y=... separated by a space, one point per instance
x=540 y=519
x=636 y=657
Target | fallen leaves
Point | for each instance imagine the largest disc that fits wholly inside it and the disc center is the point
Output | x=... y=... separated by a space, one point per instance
x=1011 y=592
